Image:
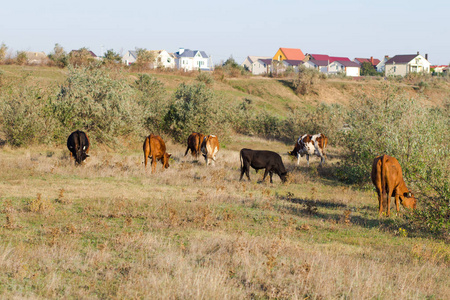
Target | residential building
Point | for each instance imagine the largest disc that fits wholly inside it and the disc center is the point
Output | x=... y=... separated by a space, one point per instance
x=295 y=64
x=163 y=59
x=129 y=58
x=402 y=65
x=319 y=65
x=324 y=57
x=373 y=61
x=257 y=64
x=349 y=68
x=381 y=65
x=36 y=58
x=190 y=60
x=289 y=54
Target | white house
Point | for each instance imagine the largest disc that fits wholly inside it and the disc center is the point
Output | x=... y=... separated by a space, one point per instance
x=190 y=60
x=320 y=65
x=349 y=68
x=256 y=65
x=381 y=65
x=402 y=65
x=163 y=59
x=129 y=58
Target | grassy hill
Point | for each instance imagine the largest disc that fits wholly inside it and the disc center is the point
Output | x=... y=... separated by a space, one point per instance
x=111 y=229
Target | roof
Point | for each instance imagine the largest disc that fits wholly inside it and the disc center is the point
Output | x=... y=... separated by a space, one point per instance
x=345 y=63
x=190 y=53
x=362 y=60
x=320 y=63
x=328 y=58
x=293 y=62
x=292 y=53
x=253 y=58
x=133 y=53
x=90 y=52
x=267 y=61
x=401 y=59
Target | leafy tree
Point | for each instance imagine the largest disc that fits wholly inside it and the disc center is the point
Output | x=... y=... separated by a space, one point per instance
x=3 y=50
x=111 y=57
x=21 y=58
x=367 y=69
x=59 y=56
x=81 y=57
x=144 y=59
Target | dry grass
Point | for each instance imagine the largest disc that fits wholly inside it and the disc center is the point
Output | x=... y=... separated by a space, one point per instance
x=110 y=229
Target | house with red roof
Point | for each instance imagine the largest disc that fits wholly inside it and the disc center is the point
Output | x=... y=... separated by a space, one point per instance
x=288 y=54
x=373 y=61
x=325 y=57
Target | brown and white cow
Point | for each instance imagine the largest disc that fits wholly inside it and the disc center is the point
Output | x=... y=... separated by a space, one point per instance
x=310 y=145
x=155 y=148
x=388 y=180
x=194 y=143
x=209 y=148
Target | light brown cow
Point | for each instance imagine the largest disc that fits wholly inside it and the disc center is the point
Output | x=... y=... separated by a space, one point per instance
x=210 y=147
x=155 y=148
x=388 y=180
x=194 y=143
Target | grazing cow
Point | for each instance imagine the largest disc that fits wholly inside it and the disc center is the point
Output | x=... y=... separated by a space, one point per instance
x=155 y=148
x=194 y=143
x=261 y=159
x=388 y=180
x=209 y=148
x=78 y=144
x=310 y=145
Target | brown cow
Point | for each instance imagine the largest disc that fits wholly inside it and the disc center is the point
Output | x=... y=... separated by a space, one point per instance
x=388 y=180
x=210 y=147
x=155 y=148
x=194 y=143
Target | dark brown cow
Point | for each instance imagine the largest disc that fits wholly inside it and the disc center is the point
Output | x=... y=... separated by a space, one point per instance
x=388 y=180
x=194 y=143
x=262 y=159
x=210 y=147
x=78 y=145
x=310 y=145
x=155 y=148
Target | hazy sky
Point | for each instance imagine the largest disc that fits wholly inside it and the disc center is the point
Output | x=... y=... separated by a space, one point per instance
x=238 y=28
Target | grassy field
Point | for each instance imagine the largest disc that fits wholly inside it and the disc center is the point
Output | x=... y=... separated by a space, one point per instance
x=110 y=229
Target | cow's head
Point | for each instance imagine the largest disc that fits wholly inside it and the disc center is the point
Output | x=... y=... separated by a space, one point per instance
x=283 y=176
x=166 y=159
x=81 y=155
x=408 y=200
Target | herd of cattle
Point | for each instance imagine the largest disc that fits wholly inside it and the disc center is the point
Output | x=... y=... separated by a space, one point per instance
x=386 y=171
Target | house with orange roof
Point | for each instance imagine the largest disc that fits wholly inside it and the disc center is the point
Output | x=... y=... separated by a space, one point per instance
x=288 y=54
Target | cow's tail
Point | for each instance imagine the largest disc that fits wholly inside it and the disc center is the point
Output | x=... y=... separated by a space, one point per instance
x=240 y=157
x=146 y=150
x=187 y=150
x=383 y=178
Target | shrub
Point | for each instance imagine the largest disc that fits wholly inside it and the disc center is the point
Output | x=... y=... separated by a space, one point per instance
x=21 y=58
x=99 y=101
x=305 y=81
x=206 y=78
x=59 y=57
x=195 y=108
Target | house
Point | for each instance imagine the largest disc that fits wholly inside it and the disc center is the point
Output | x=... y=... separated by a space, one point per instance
x=381 y=65
x=257 y=64
x=295 y=64
x=319 y=65
x=349 y=68
x=438 y=69
x=190 y=60
x=163 y=59
x=129 y=58
x=402 y=65
x=324 y=57
x=36 y=58
x=373 y=61
x=289 y=54
x=80 y=52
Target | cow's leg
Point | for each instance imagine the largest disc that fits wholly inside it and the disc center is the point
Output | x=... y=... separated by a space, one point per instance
x=307 y=160
x=397 y=202
x=242 y=172
x=266 y=171
x=298 y=158
x=270 y=175
x=388 y=204
x=153 y=165
x=380 y=203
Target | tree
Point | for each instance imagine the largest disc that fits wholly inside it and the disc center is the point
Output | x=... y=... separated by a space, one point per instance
x=3 y=50
x=21 y=58
x=59 y=56
x=80 y=57
x=367 y=69
x=144 y=58
x=111 y=57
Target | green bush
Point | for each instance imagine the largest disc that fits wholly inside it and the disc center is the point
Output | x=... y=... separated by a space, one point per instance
x=195 y=108
x=100 y=102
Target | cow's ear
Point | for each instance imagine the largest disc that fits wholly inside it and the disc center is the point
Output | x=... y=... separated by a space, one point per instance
x=87 y=155
x=408 y=194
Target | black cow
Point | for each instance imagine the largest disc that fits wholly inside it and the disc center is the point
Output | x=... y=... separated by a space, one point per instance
x=78 y=144
x=262 y=159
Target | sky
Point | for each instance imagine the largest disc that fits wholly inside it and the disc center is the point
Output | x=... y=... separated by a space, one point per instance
x=237 y=28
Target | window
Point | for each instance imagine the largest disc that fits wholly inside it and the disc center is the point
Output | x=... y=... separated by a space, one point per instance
x=168 y=60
